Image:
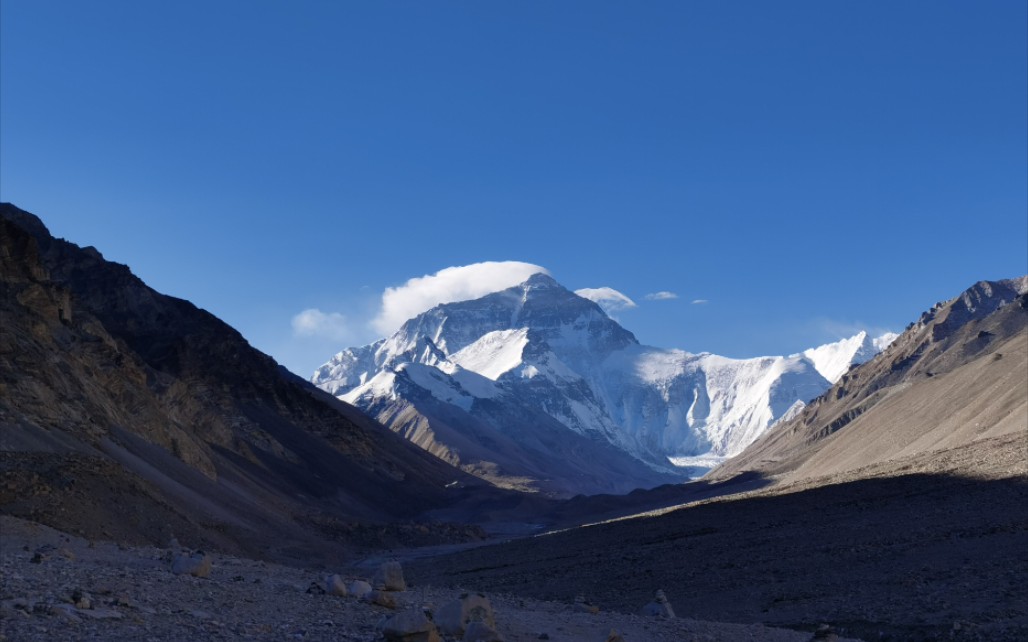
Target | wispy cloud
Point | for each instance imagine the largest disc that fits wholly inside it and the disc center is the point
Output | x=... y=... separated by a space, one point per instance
x=663 y=295
x=700 y=301
x=322 y=325
x=458 y=283
x=607 y=298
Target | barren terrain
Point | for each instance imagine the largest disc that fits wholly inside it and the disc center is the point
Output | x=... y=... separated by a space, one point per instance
x=134 y=596
x=937 y=552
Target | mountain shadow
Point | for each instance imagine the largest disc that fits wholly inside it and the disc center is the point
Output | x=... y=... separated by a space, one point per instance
x=914 y=557
x=129 y=415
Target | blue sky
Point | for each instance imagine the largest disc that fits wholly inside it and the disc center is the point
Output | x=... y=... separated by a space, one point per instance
x=806 y=168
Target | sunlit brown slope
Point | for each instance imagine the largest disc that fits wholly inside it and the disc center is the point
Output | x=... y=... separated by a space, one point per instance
x=957 y=378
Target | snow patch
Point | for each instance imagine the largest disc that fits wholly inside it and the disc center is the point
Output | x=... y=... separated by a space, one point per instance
x=833 y=360
x=494 y=353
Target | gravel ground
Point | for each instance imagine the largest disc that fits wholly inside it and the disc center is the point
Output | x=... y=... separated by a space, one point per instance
x=134 y=596
x=920 y=557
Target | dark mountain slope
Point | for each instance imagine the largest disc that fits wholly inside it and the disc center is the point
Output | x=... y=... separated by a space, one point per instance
x=912 y=558
x=129 y=414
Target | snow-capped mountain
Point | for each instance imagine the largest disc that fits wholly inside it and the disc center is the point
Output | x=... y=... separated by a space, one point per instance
x=536 y=361
x=833 y=360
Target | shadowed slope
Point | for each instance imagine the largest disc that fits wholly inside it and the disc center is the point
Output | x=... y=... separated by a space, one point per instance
x=895 y=558
x=129 y=414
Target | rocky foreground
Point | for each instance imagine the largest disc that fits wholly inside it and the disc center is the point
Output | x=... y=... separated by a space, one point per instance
x=60 y=587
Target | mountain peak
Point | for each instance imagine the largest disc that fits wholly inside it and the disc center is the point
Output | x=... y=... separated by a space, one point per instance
x=833 y=360
x=541 y=280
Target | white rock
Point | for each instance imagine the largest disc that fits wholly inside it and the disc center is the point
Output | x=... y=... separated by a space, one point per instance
x=453 y=617
x=389 y=577
x=335 y=585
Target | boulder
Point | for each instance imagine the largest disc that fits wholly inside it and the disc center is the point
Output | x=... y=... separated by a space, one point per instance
x=359 y=588
x=389 y=577
x=335 y=585
x=453 y=617
x=381 y=598
x=659 y=607
x=410 y=626
x=197 y=564
x=479 y=631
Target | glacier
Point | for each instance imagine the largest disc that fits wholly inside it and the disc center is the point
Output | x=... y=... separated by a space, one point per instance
x=536 y=362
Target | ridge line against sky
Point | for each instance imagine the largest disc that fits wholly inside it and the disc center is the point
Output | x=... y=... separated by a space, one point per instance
x=755 y=178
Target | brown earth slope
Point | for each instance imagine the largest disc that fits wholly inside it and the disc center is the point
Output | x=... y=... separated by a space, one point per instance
x=957 y=377
x=129 y=415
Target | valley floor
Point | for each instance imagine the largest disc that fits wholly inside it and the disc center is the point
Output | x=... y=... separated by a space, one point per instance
x=134 y=596
x=933 y=548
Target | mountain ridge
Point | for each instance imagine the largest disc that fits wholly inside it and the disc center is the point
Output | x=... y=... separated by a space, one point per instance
x=538 y=345
x=977 y=341
x=116 y=397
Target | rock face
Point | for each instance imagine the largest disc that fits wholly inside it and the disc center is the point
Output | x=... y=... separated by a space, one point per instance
x=118 y=401
x=536 y=387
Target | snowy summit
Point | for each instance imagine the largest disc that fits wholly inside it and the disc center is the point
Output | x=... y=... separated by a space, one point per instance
x=480 y=365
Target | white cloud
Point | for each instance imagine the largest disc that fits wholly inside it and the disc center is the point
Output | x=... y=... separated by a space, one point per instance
x=663 y=295
x=451 y=284
x=700 y=301
x=607 y=298
x=323 y=325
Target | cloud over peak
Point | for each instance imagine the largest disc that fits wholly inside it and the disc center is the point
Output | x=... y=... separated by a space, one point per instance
x=459 y=283
x=607 y=298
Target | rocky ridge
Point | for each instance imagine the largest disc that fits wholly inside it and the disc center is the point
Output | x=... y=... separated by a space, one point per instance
x=129 y=415
x=955 y=377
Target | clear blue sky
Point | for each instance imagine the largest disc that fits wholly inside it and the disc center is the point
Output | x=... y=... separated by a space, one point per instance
x=808 y=168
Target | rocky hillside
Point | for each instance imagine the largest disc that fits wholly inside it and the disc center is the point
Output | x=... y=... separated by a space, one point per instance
x=129 y=415
x=955 y=378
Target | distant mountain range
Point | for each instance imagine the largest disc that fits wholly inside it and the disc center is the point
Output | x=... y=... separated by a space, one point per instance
x=535 y=387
